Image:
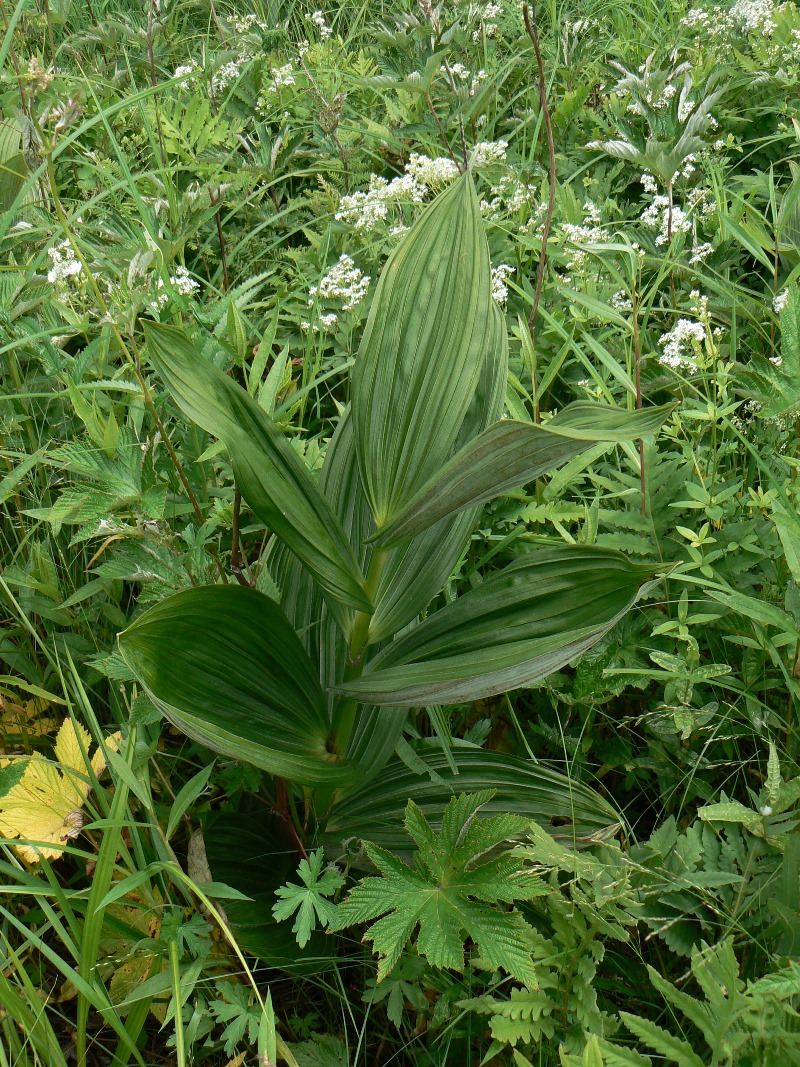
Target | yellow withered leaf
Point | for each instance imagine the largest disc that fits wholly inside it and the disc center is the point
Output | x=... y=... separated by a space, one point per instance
x=45 y=806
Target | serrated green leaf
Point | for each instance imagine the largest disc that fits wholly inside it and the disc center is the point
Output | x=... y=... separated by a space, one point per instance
x=444 y=899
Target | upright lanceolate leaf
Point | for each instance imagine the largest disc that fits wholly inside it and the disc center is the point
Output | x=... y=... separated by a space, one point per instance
x=509 y=454
x=422 y=351
x=223 y=664
x=269 y=473
x=511 y=631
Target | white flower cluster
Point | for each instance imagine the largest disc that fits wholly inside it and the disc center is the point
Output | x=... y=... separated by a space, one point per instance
x=746 y=16
x=700 y=253
x=281 y=77
x=649 y=183
x=181 y=281
x=488 y=16
x=780 y=301
x=226 y=75
x=684 y=337
x=588 y=233
x=499 y=288
x=656 y=216
x=187 y=68
x=754 y=16
x=247 y=24
x=485 y=153
x=66 y=264
x=325 y=31
x=365 y=211
x=458 y=70
x=327 y=322
x=431 y=172
x=621 y=301
x=345 y=282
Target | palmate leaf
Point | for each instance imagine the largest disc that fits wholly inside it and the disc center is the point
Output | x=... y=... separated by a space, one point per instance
x=454 y=891
x=514 y=629
x=222 y=663
x=269 y=473
x=309 y=899
x=420 y=359
x=509 y=454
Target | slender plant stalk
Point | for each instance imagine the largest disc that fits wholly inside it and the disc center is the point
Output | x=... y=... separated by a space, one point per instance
x=532 y=27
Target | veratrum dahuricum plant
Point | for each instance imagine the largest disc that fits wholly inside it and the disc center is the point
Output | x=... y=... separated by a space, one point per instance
x=316 y=689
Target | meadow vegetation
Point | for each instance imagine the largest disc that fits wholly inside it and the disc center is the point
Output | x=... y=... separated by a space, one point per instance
x=399 y=540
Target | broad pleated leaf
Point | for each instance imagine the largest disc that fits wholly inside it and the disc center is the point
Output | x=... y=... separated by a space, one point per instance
x=568 y=809
x=511 y=631
x=509 y=454
x=416 y=570
x=422 y=351
x=223 y=664
x=271 y=476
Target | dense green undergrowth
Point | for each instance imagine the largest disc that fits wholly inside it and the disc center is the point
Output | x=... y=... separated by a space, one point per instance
x=274 y=822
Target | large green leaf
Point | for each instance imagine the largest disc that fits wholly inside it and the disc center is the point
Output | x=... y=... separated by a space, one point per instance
x=510 y=454
x=271 y=476
x=514 y=629
x=422 y=351
x=566 y=807
x=223 y=664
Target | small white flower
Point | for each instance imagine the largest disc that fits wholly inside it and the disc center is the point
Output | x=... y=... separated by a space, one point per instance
x=66 y=264
x=766 y=810
x=684 y=336
x=780 y=301
x=431 y=172
x=318 y=19
x=345 y=282
x=485 y=153
x=499 y=287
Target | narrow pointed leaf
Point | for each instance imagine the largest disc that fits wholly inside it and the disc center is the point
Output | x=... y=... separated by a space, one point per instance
x=222 y=663
x=422 y=351
x=509 y=454
x=270 y=475
x=511 y=631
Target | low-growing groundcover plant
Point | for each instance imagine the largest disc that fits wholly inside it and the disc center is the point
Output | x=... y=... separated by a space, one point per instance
x=399 y=541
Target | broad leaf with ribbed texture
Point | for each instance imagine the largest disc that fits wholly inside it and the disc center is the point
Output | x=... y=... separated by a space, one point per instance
x=453 y=890
x=222 y=663
x=509 y=454
x=514 y=629
x=271 y=476
x=566 y=807
x=422 y=351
